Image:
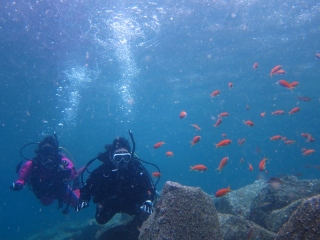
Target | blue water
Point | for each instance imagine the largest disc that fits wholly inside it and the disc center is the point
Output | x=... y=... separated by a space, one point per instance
x=91 y=70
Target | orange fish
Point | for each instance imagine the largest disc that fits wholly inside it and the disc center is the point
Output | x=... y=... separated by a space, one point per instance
x=277 y=112
x=183 y=114
x=285 y=84
x=241 y=141
x=200 y=168
x=276 y=137
x=273 y=70
x=230 y=85
x=196 y=127
x=224 y=135
x=250 y=167
x=195 y=140
x=158 y=144
x=223 y=114
x=255 y=65
x=310 y=138
x=222 y=192
x=215 y=93
x=306 y=99
x=308 y=152
x=169 y=154
x=279 y=72
x=262 y=114
x=156 y=174
x=223 y=143
x=262 y=164
x=289 y=142
x=218 y=122
x=248 y=123
x=294 y=83
x=305 y=135
x=294 y=110
x=223 y=162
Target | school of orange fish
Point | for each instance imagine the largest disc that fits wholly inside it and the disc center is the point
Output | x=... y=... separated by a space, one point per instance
x=277 y=70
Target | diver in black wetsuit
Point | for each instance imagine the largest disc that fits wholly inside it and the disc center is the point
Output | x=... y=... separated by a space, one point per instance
x=120 y=184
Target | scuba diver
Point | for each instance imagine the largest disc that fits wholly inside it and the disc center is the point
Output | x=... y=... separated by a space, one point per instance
x=120 y=185
x=48 y=175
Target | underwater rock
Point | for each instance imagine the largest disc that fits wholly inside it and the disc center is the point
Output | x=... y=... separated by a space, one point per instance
x=116 y=228
x=279 y=217
x=189 y=213
x=279 y=194
x=234 y=227
x=182 y=213
x=71 y=230
x=121 y=226
x=304 y=223
x=238 y=202
x=126 y=230
x=86 y=232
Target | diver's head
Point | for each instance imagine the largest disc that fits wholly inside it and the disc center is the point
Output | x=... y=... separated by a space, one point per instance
x=48 y=152
x=121 y=155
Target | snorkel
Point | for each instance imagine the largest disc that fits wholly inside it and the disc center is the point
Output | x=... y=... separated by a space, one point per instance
x=133 y=143
x=55 y=138
x=132 y=156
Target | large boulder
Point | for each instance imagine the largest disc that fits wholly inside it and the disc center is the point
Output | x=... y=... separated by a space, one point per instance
x=277 y=218
x=280 y=193
x=304 y=223
x=182 y=213
x=235 y=227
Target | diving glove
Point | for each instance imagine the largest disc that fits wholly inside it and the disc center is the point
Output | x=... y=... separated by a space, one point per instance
x=16 y=187
x=82 y=204
x=147 y=207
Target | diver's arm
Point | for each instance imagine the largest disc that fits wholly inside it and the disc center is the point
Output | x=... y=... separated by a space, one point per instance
x=147 y=187
x=88 y=189
x=146 y=195
x=85 y=191
x=90 y=185
x=85 y=196
x=25 y=173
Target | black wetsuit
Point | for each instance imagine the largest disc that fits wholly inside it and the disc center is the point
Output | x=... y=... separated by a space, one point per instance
x=115 y=191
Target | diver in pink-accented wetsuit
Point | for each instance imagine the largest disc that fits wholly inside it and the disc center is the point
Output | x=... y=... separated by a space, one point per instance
x=48 y=175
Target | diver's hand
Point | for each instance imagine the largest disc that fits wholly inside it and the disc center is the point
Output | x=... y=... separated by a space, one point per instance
x=16 y=187
x=147 y=207
x=82 y=204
